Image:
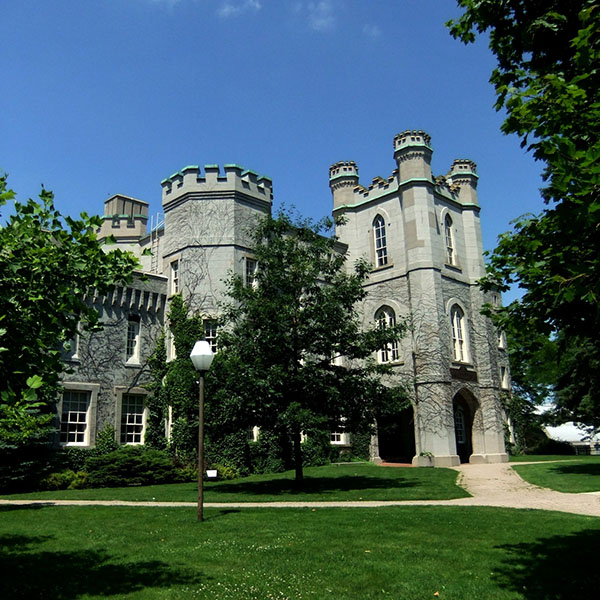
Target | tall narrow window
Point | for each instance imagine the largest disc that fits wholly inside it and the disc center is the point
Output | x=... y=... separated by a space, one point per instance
x=504 y=378
x=175 y=277
x=74 y=417
x=210 y=333
x=133 y=419
x=459 y=425
x=251 y=267
x=379 y=238
x=386 y=317
x=460 y=349
x=450 y=256
x=133 y=339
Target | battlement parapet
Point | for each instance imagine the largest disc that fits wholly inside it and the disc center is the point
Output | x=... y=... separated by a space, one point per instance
x=411 y=138
x=210 y=179
x=463 y=166
x=462 y=180
x=344 y=168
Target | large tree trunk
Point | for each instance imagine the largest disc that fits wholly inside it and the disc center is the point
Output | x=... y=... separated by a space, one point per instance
x=298 y=456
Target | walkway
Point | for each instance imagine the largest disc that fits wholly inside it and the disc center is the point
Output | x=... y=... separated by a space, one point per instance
x=490 y=485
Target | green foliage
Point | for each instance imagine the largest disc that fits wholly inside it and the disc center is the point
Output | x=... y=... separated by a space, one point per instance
x=131 y=465
x=183 y=444
x=156 y=401
x=547 y=81
x=266 y=454
x=65 y=480
x=76 y=459
x=548 y=446
x=283 y=335
x=231 y=449
x=226 y=472
x=47 y=264
x=106 y=441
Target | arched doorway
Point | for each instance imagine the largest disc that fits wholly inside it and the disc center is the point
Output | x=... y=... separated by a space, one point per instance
x=464 y=407
x=396 y=436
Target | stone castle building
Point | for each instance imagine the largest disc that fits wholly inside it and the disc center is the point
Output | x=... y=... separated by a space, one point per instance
x=420 y=233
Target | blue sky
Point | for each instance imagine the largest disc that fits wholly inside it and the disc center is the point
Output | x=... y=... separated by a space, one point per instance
x=110 y=96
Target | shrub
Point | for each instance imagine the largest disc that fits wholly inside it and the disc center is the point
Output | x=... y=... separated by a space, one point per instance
x=58 y=481
x=232 y=450
x=549 y=446
x=315 y=449
x=225 y=471
x=131 y=465
x=266 y=453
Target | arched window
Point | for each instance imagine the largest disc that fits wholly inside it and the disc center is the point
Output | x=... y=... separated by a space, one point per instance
x=450 y=256
x=386 y=317
x=379 y=239
x=460 y=349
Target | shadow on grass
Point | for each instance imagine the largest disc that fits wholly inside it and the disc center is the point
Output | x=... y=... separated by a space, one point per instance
x=29 y=572
x=558 y=567
x=312 y=485
x=32 y=506
x=578 y=469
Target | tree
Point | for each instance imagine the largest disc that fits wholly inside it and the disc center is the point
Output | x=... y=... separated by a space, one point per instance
x=548 y=82
x=287 y=332
x=534 y=375
x=47 y=266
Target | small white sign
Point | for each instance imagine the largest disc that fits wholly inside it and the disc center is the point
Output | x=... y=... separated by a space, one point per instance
x=211 y=473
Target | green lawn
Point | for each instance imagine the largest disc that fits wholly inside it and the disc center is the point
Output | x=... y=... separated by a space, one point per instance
x=355 y=481
x=471 y=553
x=581 y=474
x=542 y=457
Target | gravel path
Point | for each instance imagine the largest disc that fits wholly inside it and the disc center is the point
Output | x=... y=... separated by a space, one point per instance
x=490 y=485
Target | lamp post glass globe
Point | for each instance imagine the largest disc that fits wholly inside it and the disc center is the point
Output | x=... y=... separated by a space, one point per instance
x=202 y=355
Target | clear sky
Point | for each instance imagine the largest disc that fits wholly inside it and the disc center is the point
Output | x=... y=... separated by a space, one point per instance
x=99 y=97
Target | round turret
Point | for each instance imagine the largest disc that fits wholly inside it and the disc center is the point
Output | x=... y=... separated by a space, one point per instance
x=412 y=153
x=343 y=178
x=463 y=175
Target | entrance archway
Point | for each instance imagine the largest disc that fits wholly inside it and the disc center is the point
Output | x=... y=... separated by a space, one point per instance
x=465 y=408
x=396 y=436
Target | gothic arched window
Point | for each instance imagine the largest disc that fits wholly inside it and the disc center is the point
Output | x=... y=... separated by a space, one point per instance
x=450 y=255
x=385 y=318
x=379 y=239
x=460 y=346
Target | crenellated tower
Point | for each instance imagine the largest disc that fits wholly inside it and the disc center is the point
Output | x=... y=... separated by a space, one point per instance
x=412 y=153
x=208 y=216
x=422 y=235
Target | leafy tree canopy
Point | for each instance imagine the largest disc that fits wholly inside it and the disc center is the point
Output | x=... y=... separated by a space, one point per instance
x=47 y=265
x=293 y=337
x=548 y=82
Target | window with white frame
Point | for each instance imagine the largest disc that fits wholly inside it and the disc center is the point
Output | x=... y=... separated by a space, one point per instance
x=253 y=433
x=210 y=333
x=74 y=417
x=132 y=350
x=251 y=268
x=380 y=242
x=449 y=235
x=460 y=347
x=385 y=318
x=175 y=277
x=338 y=438
x=133 y=419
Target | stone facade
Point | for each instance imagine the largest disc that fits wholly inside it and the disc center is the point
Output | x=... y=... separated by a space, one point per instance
x=421 y=234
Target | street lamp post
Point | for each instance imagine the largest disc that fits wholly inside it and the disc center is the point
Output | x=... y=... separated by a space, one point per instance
x=202 y=357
